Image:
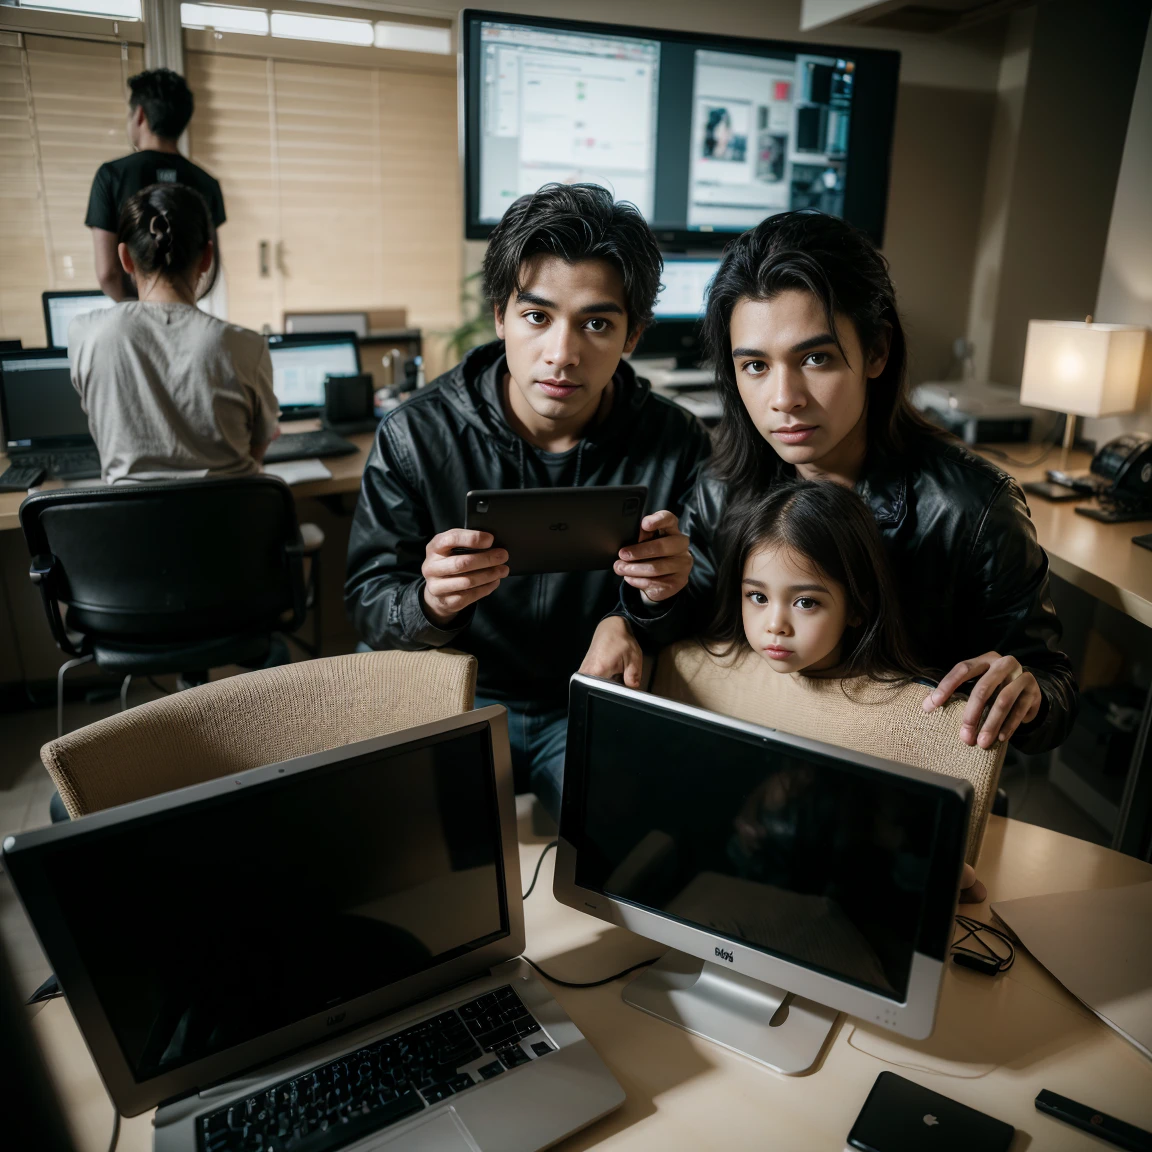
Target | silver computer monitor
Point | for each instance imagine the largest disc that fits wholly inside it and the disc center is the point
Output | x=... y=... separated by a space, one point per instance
x=61 y=308
x=788 y=875
x=213 y=928
x=296 y=323
x=302 y=362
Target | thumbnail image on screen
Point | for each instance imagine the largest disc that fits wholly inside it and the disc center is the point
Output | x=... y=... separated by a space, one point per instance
x=767 y=135
x=569 y=108
x=685 y=288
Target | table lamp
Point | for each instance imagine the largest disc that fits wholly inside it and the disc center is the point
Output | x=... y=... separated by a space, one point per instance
x=1082 y=369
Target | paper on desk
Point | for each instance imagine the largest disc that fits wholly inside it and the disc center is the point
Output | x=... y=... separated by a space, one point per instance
x=298 y=471
x=1098 y=944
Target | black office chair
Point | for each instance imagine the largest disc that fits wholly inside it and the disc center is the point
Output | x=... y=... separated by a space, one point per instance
x=165 y=577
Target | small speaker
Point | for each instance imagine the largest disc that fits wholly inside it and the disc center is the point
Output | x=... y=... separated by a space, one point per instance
x=348 y=399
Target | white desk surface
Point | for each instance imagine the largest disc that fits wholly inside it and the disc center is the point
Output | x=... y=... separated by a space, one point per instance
x=998 y=1041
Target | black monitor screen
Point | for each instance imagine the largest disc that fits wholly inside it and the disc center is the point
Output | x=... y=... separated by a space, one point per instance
x=217 y=922
x=39 y=401
x=703 y=134
x=812 y=859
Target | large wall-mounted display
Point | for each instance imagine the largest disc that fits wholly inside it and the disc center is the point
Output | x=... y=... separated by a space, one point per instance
x=705 y=135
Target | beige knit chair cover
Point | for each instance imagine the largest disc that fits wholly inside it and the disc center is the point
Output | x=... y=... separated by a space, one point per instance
x=859 y=715
x=254 y=719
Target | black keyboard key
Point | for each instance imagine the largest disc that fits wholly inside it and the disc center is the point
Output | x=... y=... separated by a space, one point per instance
x=542 y=1048
x=493 y=1069
x=459 y=1083
x=437 y=1092
x=513 y=1057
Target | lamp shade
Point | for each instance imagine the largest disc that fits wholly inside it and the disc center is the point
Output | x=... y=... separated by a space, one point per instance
x=1082 y=369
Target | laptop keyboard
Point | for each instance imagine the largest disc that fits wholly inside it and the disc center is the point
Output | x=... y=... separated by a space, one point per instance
x=305 y=445
x=80 y=465
x=380 y=1084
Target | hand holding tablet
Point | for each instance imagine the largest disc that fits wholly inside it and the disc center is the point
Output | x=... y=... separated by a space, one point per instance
x=460 y=567
x=659 y=564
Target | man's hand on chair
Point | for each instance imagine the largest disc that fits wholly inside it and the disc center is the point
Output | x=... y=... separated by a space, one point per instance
x=614 y=653
x=971 y=890
x=1012 y=692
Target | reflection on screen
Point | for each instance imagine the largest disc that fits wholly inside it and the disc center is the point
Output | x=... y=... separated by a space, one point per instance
x=566 y=107
x=62 y=310
x=299 y=370
x=40 y=401
x=685 y=290
x=808 y=858
x=224 y=920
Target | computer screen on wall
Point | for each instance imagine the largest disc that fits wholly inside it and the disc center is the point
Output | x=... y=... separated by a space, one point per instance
x=705 y=135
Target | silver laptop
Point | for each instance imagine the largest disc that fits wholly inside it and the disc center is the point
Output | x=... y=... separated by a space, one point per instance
x=316 y=955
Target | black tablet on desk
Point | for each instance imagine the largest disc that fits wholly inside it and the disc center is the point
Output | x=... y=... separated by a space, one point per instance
x=558 y=529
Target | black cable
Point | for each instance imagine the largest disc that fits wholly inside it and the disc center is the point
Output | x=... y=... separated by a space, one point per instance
x=1049 y=445
x=589 y=983
x=973 y=930
x=158 y=686
x=536 y=875
x=115 y=1129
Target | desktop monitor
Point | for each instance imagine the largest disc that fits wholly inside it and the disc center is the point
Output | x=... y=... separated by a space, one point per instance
x=675 y=330
x=706 y=135
x=38 y=405
x=772 y=864
x=61 y=308
x=207 y=930
x=301 y=362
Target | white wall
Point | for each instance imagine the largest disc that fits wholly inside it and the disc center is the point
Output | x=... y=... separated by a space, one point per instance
x=1125 y=295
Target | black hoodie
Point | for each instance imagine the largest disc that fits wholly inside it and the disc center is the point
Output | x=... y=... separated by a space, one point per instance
x=531 y=634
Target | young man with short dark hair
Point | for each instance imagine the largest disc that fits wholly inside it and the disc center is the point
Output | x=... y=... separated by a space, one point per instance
x=160 y=105
x=572 y=279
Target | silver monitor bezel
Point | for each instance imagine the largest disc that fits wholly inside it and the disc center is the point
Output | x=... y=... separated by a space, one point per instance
x=914 y=1017
x=132 y=1097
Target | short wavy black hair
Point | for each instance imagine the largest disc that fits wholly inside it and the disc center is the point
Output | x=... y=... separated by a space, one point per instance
x=166 y=99
x=575 y=222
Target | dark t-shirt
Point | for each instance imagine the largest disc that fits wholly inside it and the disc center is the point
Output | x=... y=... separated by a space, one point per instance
x=119 y=179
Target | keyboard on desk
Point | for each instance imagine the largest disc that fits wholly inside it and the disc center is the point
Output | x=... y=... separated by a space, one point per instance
x=76 y=464
x=381 y=1083
x=305 y=445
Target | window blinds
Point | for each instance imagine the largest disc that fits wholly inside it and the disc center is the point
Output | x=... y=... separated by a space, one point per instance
x=62 y=113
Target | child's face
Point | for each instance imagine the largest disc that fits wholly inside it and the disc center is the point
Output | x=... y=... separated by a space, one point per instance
x=793 y=615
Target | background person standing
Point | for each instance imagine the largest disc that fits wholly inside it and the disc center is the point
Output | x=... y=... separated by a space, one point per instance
x=160 y=105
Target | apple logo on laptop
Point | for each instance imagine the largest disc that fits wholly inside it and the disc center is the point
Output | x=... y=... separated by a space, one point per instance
x=931 y=1120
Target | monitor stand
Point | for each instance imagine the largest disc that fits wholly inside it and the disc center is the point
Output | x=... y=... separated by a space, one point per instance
x=750 y=1017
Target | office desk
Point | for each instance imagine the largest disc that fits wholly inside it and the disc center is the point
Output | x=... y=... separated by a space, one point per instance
x=346 y=472
x=998 y=1041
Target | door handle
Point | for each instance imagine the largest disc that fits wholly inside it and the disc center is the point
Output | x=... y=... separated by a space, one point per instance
x=265 y=266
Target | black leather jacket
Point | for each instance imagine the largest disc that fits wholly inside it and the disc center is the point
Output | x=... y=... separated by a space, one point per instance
x=531 y=634
x=970 y=574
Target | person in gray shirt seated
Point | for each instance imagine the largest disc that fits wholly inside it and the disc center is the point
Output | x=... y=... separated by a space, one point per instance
x=170 y=391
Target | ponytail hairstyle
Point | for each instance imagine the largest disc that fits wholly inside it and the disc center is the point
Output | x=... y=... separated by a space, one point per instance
x=833 y=529
x=839 y=265
x=167 y=228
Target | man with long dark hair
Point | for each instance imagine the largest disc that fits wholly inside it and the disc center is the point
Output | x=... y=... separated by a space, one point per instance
x=805 y=336
x=571 y=278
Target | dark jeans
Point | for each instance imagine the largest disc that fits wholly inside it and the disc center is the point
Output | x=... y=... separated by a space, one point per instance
x=536 y=735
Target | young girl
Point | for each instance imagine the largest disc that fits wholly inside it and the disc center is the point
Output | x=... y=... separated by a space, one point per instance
x=171 y=392
x=805 y=582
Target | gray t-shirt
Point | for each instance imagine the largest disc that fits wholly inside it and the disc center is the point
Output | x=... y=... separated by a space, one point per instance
x=172 y=392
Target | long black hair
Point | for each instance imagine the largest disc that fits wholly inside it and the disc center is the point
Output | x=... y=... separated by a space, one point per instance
x=839 y=265
x=575 y=222
x=166 y=228
x=832 y=528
